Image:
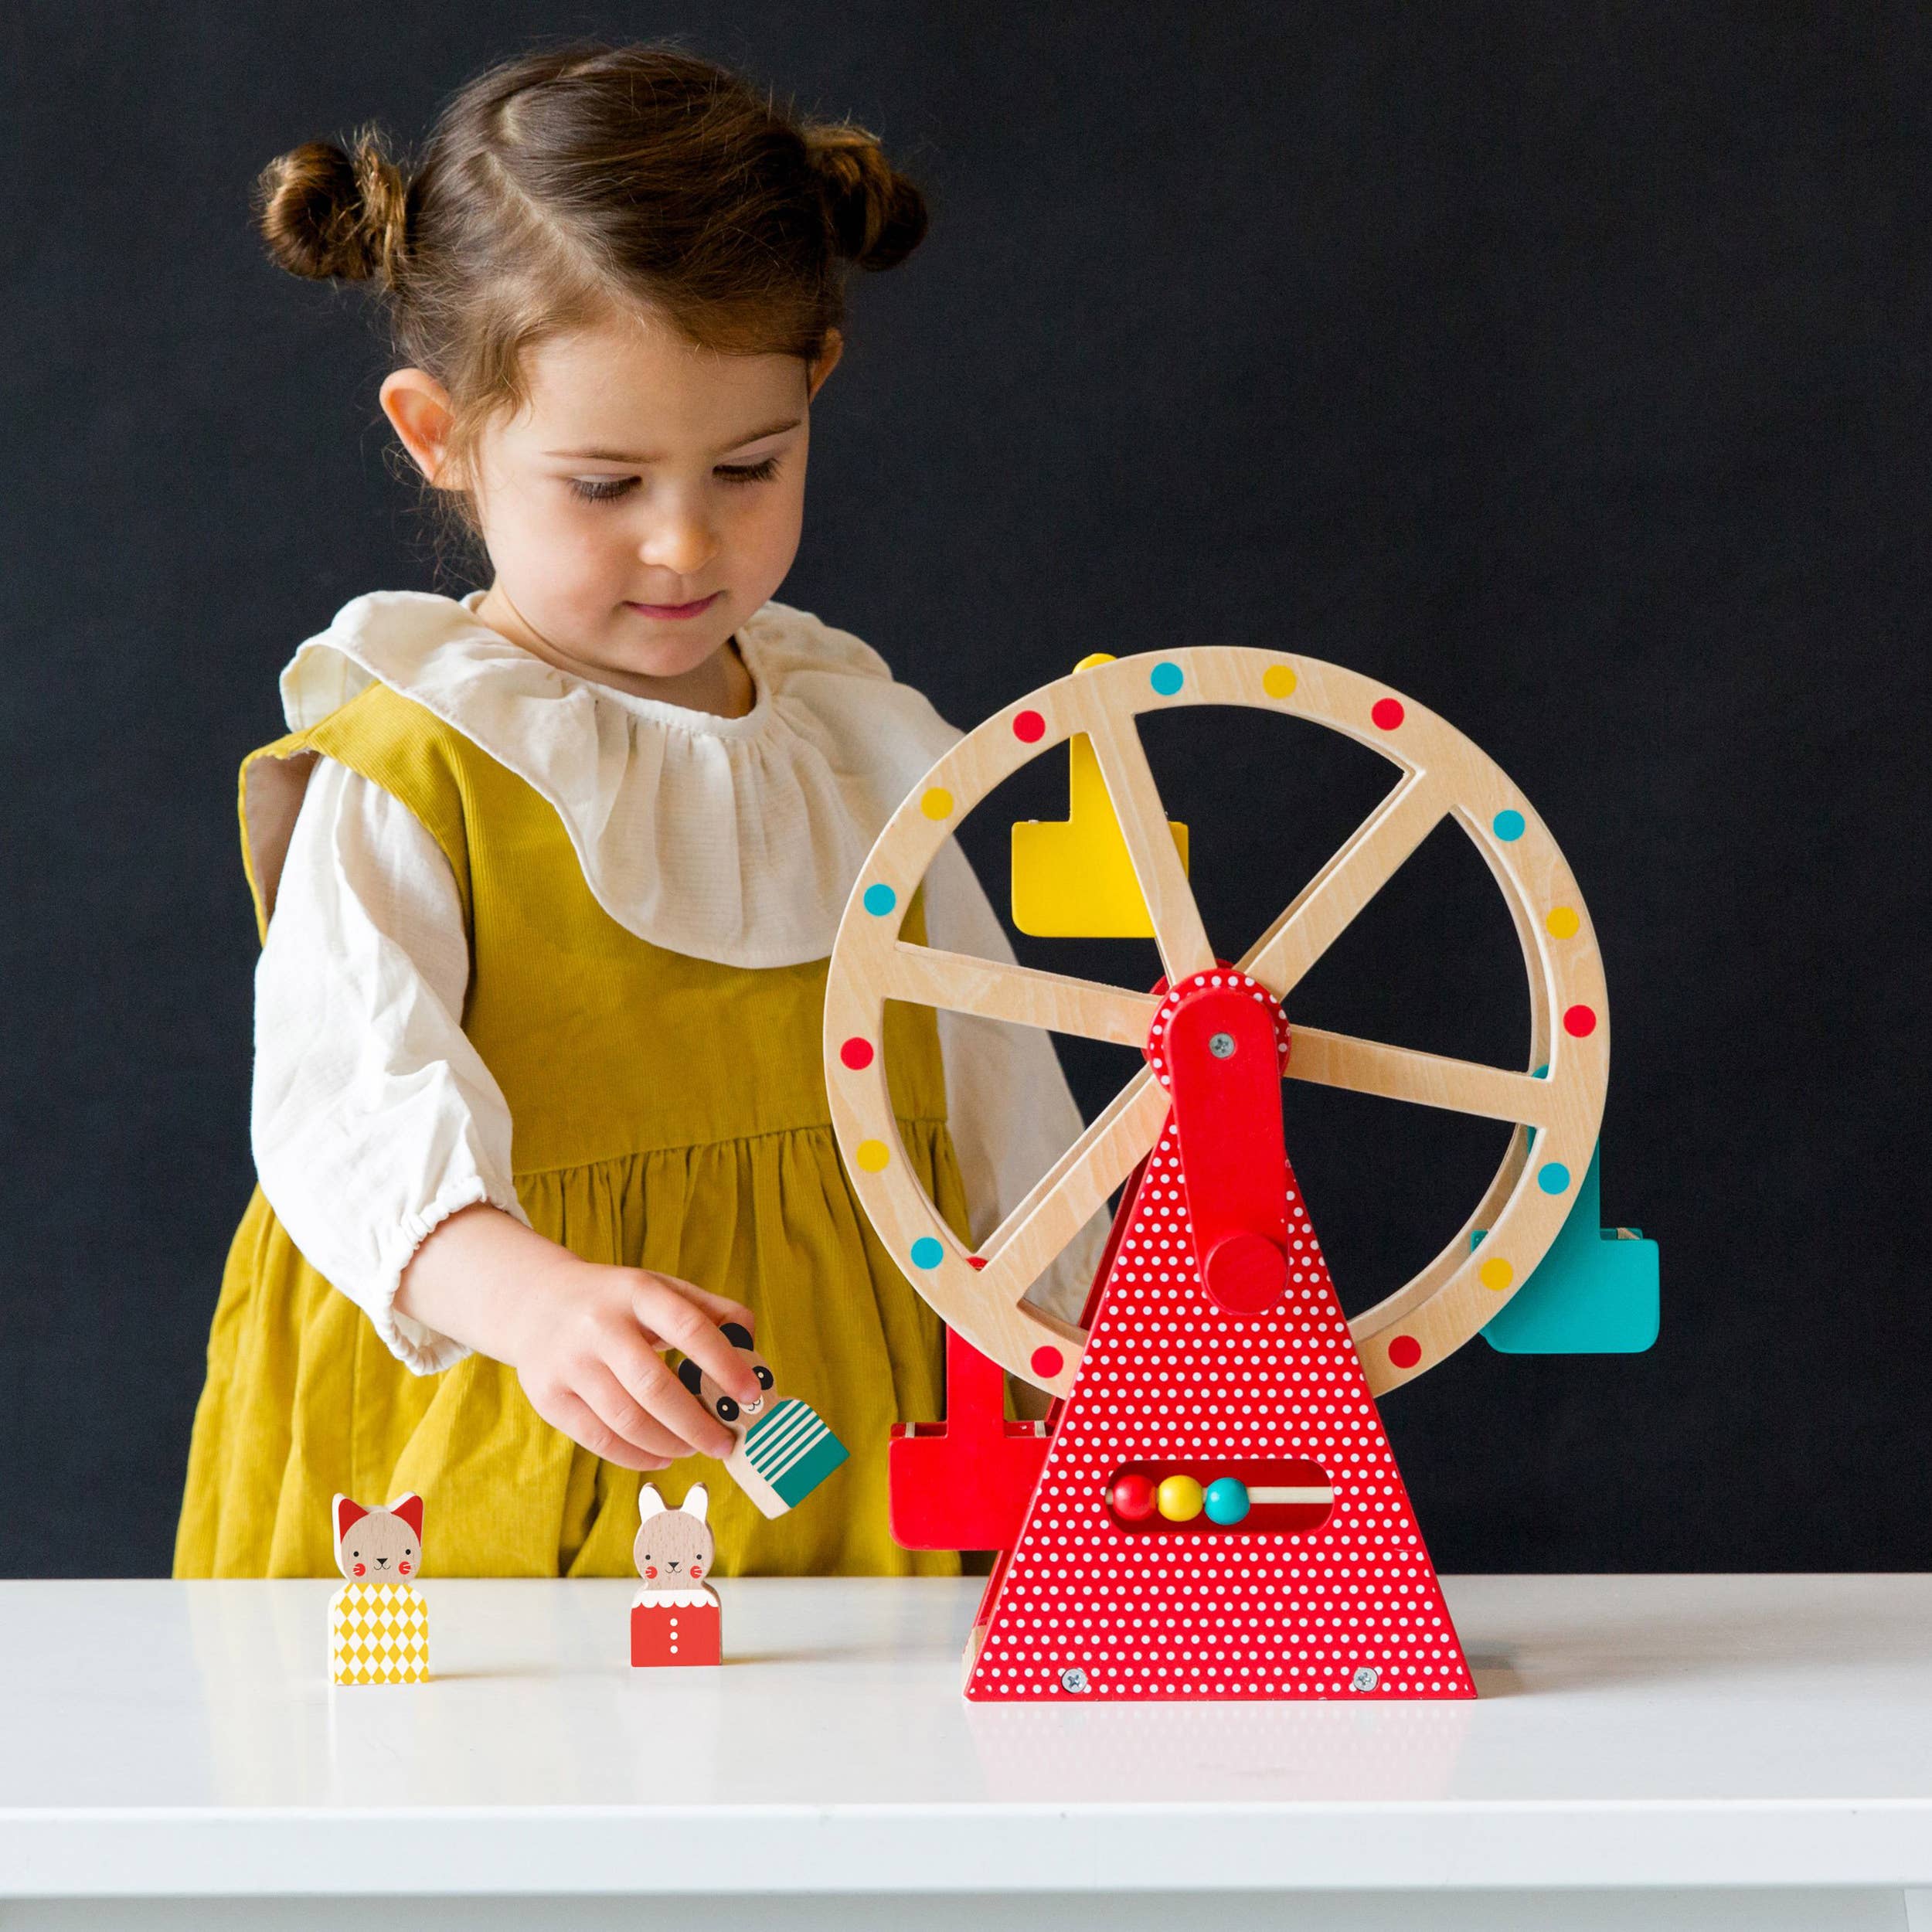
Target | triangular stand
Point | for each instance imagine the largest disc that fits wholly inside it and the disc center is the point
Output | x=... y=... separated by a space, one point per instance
x=1300 y=1598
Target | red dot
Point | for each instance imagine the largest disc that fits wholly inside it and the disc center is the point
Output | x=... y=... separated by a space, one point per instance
x=1579 y=1022
x=1405 y=1352
x=1387 y=712
x=856 y=1053
x=975 y=1260
x=1029 y=727
x=1046 y=1361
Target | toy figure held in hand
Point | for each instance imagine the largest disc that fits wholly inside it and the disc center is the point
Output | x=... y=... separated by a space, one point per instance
x=784 y=1452
x=379 y=1625
x=675 y=1617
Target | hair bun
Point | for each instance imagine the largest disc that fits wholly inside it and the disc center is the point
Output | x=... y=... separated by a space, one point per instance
x=333 y=215
x=877 y=217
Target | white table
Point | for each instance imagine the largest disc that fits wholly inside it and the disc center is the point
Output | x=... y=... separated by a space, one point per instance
x=1715 y=1751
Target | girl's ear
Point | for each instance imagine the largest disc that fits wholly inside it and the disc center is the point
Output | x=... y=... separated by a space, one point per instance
x=410 y=1507
x=697 y=1500
x=347 y=1513
x=649 y=1502
x=834 y=346
x=418 y=408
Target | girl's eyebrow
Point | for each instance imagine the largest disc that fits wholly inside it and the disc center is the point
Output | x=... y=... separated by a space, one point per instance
x=621 y=456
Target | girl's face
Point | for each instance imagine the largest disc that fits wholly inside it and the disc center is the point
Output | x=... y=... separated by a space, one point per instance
x=645 y=500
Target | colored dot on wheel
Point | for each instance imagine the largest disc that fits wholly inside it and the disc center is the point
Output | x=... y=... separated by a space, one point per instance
x=1560 y=922
x=1180 y=1498
x=1579 y=1022
x=928 y=1253
x=1387 y=712
x=1046 y=1361
x=1497 y=1274
x=1132 y=1496
x=872 y=1156
x=1226 y=1501
x=879 y=900
x=1405 y=1352
x=1553 y=1177
x=1166 y=678
x=1029 y=727
x=1093 y=659
x=1278 y=681
x=1508 y=826
x=856 y=1053
x=937 y=803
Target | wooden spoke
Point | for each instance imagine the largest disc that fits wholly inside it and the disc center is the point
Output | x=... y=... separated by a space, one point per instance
x=994 y=990
x=1178 y=930
x=1324 y=908
x=1077 y=1186
x=1399 y=1073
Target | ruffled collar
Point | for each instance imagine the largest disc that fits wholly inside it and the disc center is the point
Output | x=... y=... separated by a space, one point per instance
x=731 y=839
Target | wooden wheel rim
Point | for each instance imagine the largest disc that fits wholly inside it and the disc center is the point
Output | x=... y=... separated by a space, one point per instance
x=1445 y=775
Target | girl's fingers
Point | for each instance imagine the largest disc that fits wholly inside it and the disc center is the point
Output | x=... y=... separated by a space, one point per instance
x=652 y=1386
x=671 y=1312
x=604 y=1394
x=574 y=1418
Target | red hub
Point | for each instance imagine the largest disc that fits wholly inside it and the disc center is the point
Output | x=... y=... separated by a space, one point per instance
x=1219 y=1044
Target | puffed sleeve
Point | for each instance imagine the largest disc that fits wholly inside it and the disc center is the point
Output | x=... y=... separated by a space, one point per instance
x=1009 y=1107
x=374 y=1117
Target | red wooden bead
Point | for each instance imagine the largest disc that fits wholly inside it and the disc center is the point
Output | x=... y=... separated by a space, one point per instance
x=1133 y=1497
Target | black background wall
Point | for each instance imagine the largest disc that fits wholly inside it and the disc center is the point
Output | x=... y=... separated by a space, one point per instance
x=1565 y=368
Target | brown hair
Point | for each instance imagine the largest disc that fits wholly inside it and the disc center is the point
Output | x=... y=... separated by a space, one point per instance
x=559 y=185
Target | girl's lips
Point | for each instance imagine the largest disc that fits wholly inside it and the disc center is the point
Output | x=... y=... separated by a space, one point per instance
x=675 y=609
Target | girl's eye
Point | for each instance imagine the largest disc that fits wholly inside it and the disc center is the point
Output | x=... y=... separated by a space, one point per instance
x=749 y=472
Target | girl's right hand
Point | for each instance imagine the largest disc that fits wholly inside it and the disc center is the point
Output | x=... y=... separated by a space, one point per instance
x=582 y=1338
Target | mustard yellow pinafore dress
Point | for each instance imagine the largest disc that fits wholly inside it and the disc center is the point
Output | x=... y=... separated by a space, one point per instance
x=668 y=1113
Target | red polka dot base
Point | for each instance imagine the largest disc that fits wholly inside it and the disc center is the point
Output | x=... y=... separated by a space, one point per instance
x=1087 y=1607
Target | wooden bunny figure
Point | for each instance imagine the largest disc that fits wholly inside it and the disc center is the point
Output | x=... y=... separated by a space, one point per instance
x=675 y=1618
x=378 y=1626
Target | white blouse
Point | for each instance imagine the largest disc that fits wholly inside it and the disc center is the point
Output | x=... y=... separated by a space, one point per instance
x=734 y=839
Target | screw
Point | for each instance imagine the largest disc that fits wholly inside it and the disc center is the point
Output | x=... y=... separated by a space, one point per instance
x=1221 y=1046
x=1073 y=1679
x=1365 y=1679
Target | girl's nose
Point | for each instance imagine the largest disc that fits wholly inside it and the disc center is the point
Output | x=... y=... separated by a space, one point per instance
x=680 y=542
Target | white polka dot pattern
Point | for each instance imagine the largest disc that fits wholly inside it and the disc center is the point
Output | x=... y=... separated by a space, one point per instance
x=1351 y=1609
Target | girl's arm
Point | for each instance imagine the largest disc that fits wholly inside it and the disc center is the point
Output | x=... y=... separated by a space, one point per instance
x=383 y=1144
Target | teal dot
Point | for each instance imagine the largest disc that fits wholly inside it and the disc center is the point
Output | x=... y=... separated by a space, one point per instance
x=928 y=1253
x=1166 y=678
x=1553 y=1177
x=880 y=900
x=1507 y=826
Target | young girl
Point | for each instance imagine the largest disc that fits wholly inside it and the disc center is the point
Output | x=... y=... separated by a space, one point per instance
x=547 y=876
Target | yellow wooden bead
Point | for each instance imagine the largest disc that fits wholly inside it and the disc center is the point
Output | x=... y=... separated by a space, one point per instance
x=1093 y=658
x=1179 y=1499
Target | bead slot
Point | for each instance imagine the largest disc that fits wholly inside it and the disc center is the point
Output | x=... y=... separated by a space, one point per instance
x=1218 y=1498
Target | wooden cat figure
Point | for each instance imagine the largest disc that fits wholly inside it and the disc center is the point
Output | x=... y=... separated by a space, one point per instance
x=675 y=1618
x=378 y=1626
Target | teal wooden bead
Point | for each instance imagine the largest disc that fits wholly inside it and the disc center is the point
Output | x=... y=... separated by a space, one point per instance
x=1226 y=1501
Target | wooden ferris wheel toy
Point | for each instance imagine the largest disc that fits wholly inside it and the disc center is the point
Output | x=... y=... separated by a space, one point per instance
x=1212 y=1508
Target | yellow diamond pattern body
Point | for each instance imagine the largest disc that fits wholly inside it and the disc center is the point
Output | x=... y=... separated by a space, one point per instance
x=378 y=1634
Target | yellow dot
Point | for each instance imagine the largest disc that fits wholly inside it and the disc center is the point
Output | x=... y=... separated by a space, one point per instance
x=1179 y=1499
x=1093 y=658
x=1496 y=1274
x=871 y=1155
x=937 y=803
x=1561 y=923
x=1277 y=681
